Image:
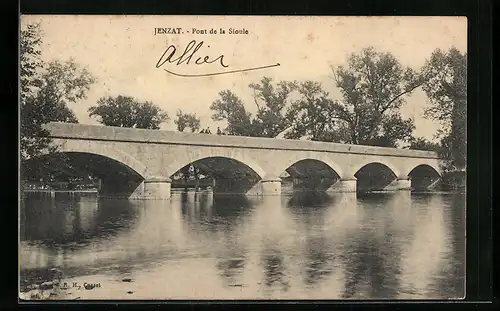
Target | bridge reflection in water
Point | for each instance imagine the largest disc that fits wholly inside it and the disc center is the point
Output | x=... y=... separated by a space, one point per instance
x=200 y=246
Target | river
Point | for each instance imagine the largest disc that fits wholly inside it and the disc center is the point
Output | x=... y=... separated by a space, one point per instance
x=397 y=245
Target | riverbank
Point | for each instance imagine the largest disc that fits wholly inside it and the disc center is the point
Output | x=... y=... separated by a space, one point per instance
x=453 y=181
x=51 y=284
x=40 y=284
x=81 y=288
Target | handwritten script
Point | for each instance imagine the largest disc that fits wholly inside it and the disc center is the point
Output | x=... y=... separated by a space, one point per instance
x=170 y=56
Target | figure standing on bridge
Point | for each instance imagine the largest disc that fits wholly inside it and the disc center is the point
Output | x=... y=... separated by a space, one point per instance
x=207 y=131
x=219 y=132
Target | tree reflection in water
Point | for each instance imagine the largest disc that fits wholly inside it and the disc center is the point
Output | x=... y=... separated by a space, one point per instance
x=70 y=223
x=54 y=231
x=457 y=228
x=452 y=264
x=231 y=266
x=310 y=199
x=214 y=212
x=319 y=260
x=309 y=245
x=375 y=252
x=309 y=208
x=273 y=263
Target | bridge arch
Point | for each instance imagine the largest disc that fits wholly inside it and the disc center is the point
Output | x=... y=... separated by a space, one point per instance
x=282 y=166
x=355 y=169
x=426 y=166
x=189 y=158
x=375 y=175
x=73 y=146
x=226 y=171
x=424 y=177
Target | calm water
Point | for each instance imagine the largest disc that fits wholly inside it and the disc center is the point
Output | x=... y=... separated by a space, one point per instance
x=316 y=246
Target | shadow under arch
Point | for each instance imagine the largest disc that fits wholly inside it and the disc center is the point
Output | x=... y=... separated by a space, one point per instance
x=70 y=146
x=311 y=199
x=425 y=168
x=223 y=174
x=62 y=168
x=189 y=159
x=424 y=177
x=310 y=174
x=375 y=176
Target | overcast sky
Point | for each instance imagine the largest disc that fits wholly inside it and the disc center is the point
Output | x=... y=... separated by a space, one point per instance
x=122 y=52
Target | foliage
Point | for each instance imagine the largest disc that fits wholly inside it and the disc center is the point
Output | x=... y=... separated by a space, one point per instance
x=373 y=86
x=187 y=120
x=445 y=153
x=270 y=119
x=125 y=111
x=54 y=166
x=30 y=60
x=230 y=108
x=445 y=84
x=311 y=115
x=46 y=91
x=420 y=143
x=394 y=129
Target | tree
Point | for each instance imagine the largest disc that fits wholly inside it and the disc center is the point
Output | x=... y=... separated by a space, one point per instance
x=30 y=60
x=420 y=143
x=373 y=86
x=46 y=91
x=394 y=129
x=312 y=115
x=230 y=108
x=445 y=75
x=187 y=120
x=125 y=111
x=270 y=119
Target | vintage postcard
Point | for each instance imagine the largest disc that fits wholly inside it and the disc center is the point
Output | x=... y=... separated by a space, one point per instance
x=242 y=157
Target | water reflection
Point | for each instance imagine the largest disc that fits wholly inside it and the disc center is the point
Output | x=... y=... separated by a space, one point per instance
x=308 y=245
x=373 y=265
x=275 y=271
x=319 y=260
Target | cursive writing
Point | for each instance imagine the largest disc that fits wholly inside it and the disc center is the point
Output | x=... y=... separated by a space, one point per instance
x=187 y=55
x=169 y=55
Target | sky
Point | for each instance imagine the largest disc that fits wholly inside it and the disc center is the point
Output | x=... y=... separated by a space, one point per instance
x=122 y=53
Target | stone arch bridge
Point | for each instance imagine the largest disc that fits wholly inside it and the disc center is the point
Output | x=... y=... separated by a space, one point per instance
x=140 y=164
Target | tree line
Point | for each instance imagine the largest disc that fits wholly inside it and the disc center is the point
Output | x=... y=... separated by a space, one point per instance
x=372 y=86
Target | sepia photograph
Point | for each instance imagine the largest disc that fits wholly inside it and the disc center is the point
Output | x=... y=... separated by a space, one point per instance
x=169 y=157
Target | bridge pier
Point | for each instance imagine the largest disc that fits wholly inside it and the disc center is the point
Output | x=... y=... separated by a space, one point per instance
x=156 y=188
x=271 y=186
x=423 y=184
x=346 y=184
x=401 y=183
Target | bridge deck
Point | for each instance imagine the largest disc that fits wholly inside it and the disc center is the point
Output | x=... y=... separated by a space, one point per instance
x=131 y=135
